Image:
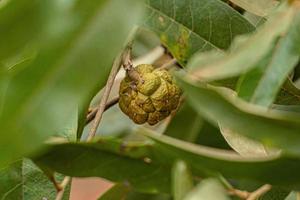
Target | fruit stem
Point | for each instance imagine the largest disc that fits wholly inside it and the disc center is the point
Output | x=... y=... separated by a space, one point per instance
x=128 y=65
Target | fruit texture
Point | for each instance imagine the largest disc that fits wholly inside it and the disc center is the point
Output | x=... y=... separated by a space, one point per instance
x=152 y=98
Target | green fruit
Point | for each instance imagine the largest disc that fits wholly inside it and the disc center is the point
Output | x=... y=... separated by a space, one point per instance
x=151 y=99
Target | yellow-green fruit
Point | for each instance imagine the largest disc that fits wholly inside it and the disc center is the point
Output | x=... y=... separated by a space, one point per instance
x=150 y=100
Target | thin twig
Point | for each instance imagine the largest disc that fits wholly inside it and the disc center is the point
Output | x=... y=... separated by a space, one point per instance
x=63 y=186
x=55 y=183
x=169 y=64
x=107 y=89
x=128 y=66
x=250 y=195
x=94 y=111
x=239 y=193
x=259 y=192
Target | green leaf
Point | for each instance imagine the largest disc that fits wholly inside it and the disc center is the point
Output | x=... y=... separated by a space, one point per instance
x=193 y=124
x=124 y=192
x=293 y=196
x=289 y=94
x=36 y=18
x=119 y=162
x=254 y=19
x=207 y=161
x=186 y=27
x=110 y=159
x=118 y=191
x=66 y=73
x=208 y=189
x=280 y=64
x=258 y=7
x=246 y=51
x=243 y=145
x=182 y=180
x=23 y=180
x=271 y=127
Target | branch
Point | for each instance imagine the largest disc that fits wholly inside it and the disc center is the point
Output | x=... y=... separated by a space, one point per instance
x=250 y=195
x=90 y=117
x=259 y=192
x=169 y=64
x=128 y=66
x=107 y=89
x=63 y=185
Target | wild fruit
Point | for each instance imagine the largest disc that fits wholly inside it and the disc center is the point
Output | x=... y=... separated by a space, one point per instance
x=150 y=99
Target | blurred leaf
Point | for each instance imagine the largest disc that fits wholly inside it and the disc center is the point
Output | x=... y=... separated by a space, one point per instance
x=279 y=65
x=119 y=162
x=185 y=27
x=191 y=129
x=182 y=180
x=144 y=41
x=206 y=161
x=208 y=189
x=23 y=180
x=118 y=191
x=66 y=73
x=17 y=16
x=248 y=82
x=110 y=159
x=254 y=19
x=273 y=128
x=124 y=192
x=243 y=145
x=211 y=136
x=293 y=196
x=258 y=7
x=289 y=94
x=246 y=51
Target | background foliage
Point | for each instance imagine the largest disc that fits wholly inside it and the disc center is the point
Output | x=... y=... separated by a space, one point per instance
x=238 y=127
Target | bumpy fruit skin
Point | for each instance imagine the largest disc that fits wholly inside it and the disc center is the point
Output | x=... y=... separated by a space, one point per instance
x=150 y=100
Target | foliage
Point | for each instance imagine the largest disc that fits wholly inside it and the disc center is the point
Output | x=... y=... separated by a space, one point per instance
x=237 y=126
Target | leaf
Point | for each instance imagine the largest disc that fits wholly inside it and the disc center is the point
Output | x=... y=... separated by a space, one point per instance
x=124 y=192
x=280 y=64
x=105 y=159
x=258 y=7
x=271 y=127
x=243 y=145
x=289 y=94
x=23 y=180
x=13 y=38
x=66 y=73
x=206 y=161
x=118 y=191
x=293 y=196
x=182 y=180
x=110 y=159
x=193 y=124
x=254 y=19
x=246 y=51
x=186 y=27
x=208 y=189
